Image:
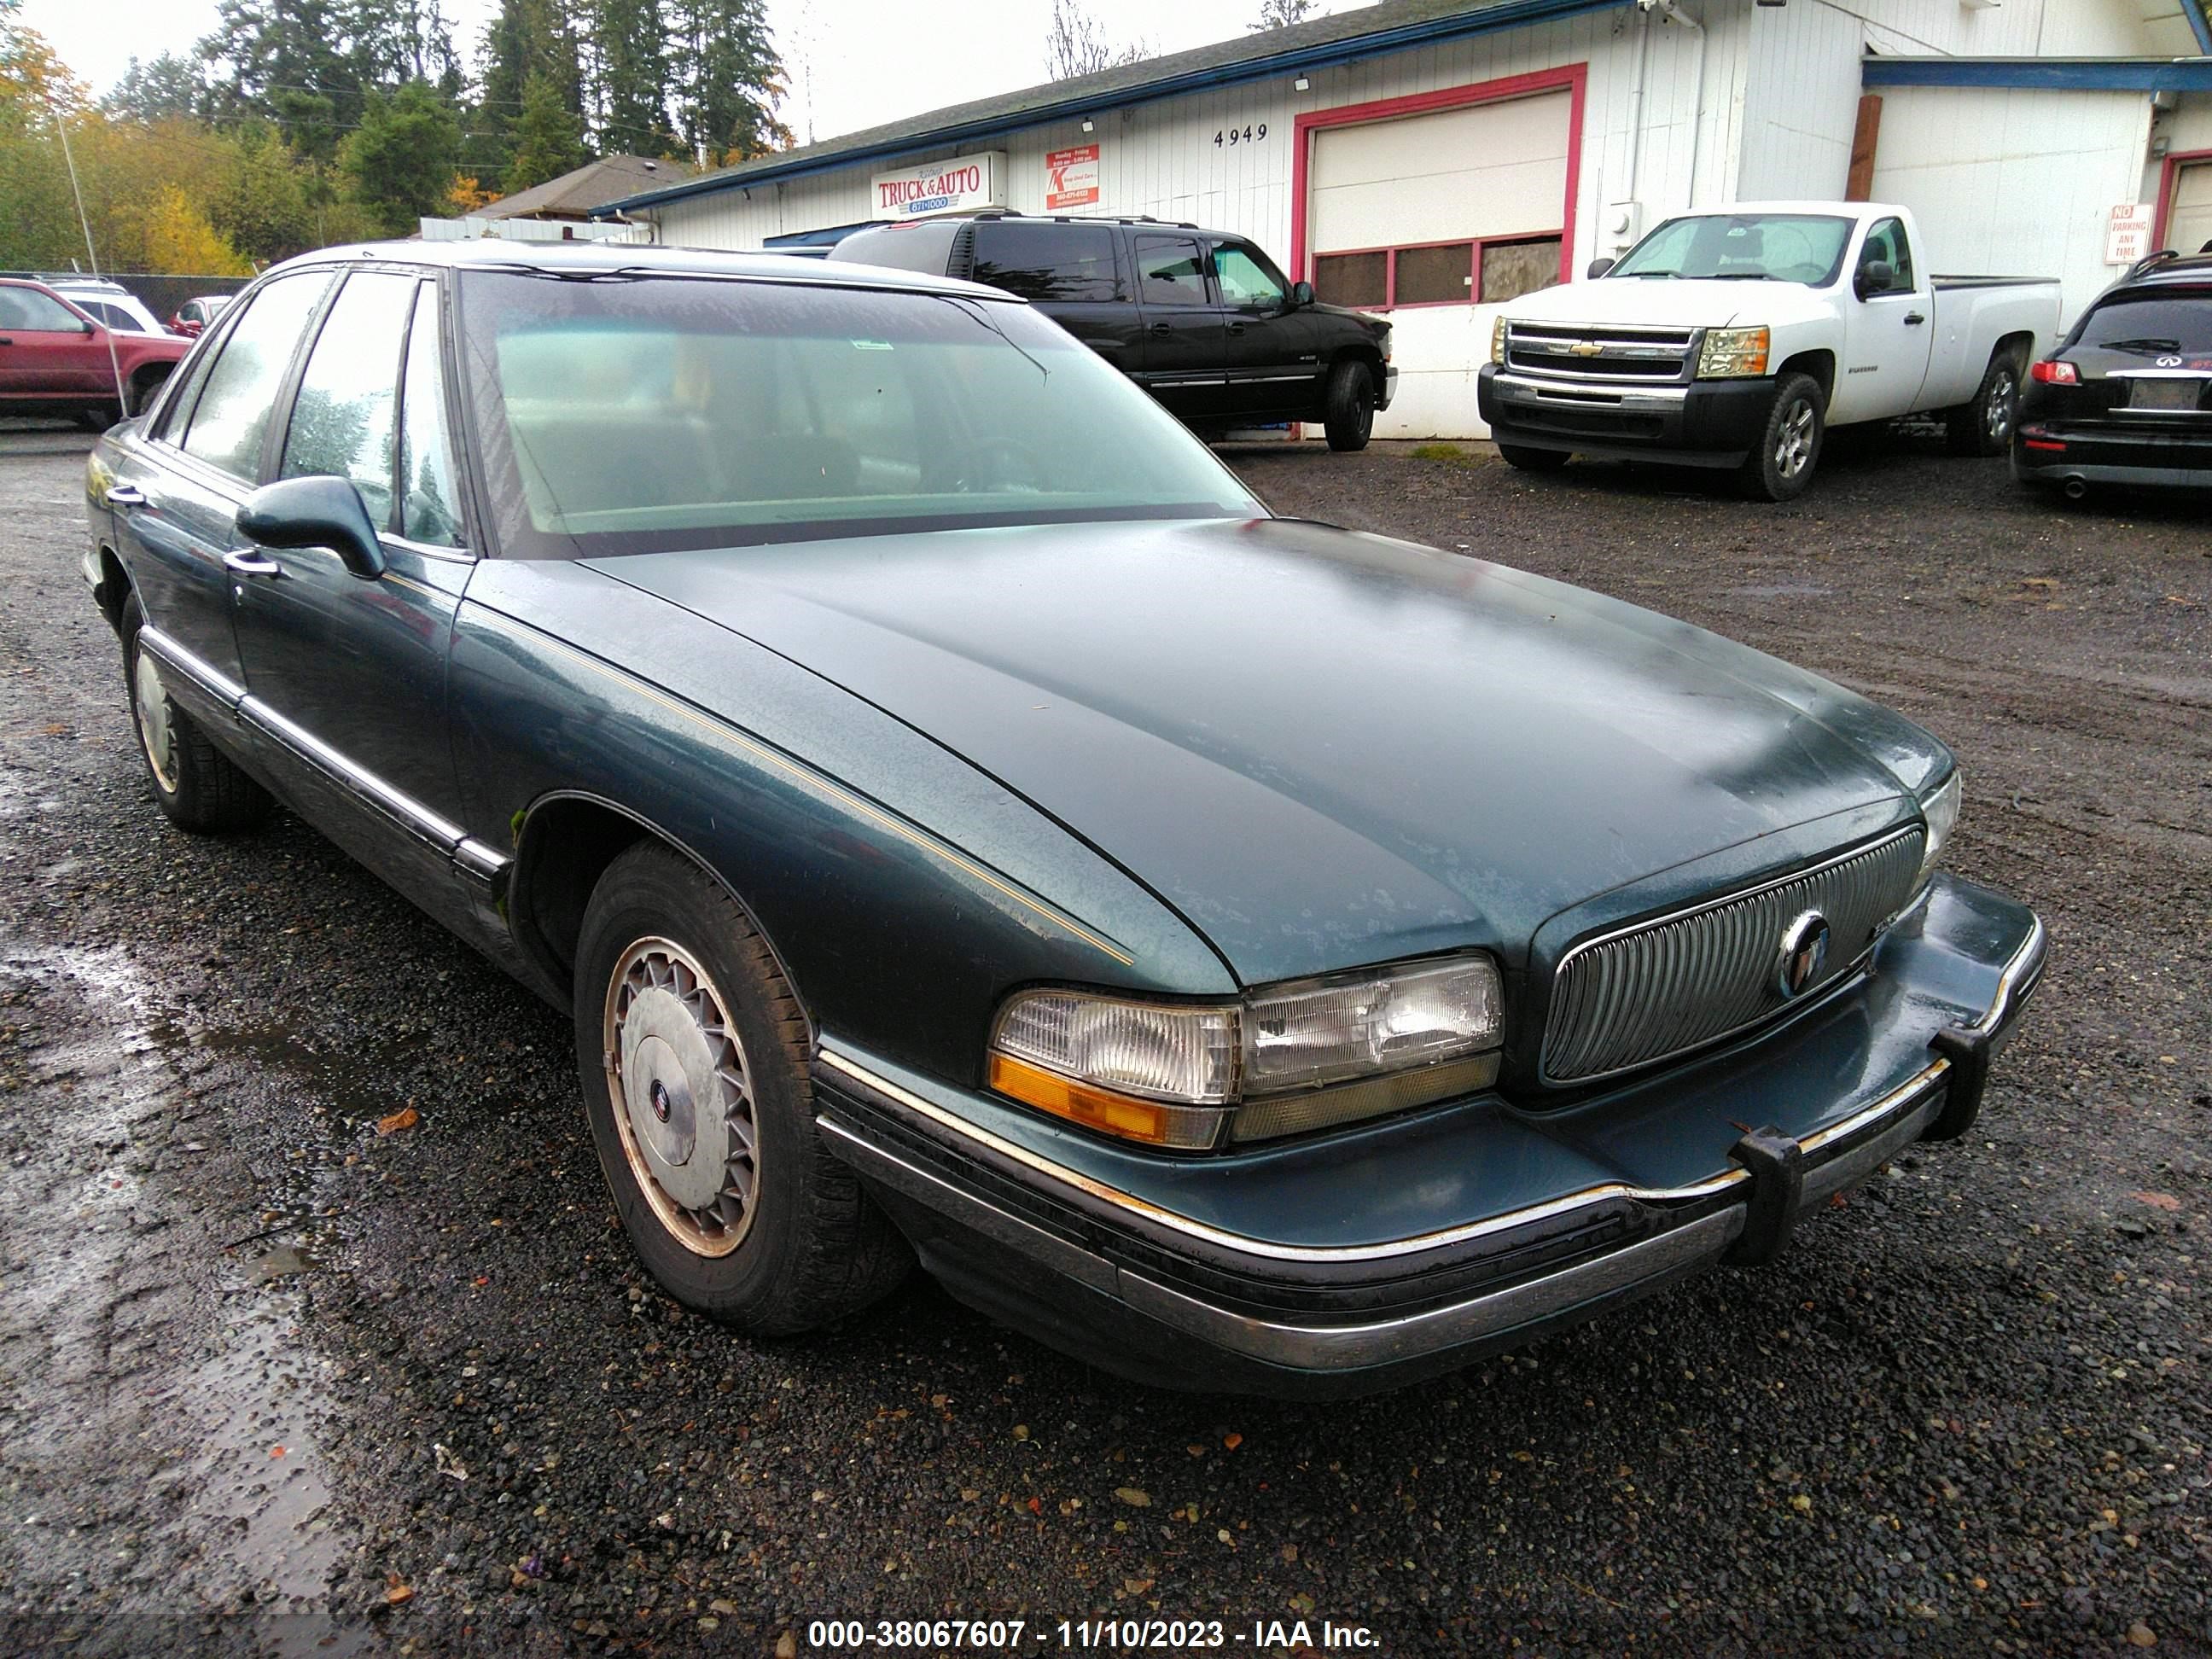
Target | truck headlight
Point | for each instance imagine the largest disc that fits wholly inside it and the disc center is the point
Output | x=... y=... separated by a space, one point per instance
x=1734 y=354
x=1285 y=1059
x=1939 y=808
x=1497 y=340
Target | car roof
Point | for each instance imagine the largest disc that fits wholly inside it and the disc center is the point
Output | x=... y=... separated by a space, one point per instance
x=2168 y=267
x=585 y=259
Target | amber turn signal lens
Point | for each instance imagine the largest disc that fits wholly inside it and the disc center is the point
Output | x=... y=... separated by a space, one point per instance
x=1187 y=1127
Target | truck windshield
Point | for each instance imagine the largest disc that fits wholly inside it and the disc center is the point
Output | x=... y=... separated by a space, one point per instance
x=638 y=412
x=1749 y=247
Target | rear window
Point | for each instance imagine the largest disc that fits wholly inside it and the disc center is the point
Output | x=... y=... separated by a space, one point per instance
x=1060 y=263
x=2166 y=323
x=902 y=248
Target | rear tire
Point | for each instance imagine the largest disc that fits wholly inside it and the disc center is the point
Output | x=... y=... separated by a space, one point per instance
x=1781 y=464
x=1351 y=408
x=1984 y=427
x=722 y=1182
x=1526 y=460
x=197 y=786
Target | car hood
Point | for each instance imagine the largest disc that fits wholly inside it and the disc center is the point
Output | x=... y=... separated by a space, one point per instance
x=1325 y=749
x=1672 y=303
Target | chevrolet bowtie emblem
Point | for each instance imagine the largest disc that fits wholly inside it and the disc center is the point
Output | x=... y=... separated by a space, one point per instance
x=1585 y=349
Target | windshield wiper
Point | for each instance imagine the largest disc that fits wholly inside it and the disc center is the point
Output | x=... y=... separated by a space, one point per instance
x=2149 y=342
x=1741 y=277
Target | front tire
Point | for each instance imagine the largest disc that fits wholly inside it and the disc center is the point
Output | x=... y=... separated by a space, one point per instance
x=1781 y=464
x=198 y=788
x=1523 y=459
x=1351 y=408
x=1984 y=426
x=694 y=1056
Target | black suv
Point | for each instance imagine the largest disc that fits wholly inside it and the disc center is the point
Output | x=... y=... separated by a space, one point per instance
x=1201 y=319
x=2127 y=397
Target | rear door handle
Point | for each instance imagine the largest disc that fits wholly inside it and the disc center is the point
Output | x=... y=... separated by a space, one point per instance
x=121 y=494
x=1913 y=319
x=244 y=563
x=1163 y=328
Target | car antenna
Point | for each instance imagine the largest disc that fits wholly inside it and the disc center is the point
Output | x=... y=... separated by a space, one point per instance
x=114 y=368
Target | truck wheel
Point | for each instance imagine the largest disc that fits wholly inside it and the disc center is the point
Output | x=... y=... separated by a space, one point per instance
x=1780 y=465
x=198 y=787
x=1984 y=427
x=1350 y=415
x=694 y=1057
x=1526 y=460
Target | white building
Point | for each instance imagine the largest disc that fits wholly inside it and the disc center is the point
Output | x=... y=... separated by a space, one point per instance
x=1431 y=158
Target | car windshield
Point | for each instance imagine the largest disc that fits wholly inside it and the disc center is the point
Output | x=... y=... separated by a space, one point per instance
x=2163 y=324
x=1751 y=248
x=637 y=413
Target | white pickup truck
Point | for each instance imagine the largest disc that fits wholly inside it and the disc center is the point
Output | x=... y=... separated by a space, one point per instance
x=1735 y=338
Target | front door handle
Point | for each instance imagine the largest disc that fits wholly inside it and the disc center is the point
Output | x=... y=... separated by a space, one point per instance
x=1913 y=319
x=1163 y=328
x=1236 y=328
x=121 y=494
x=244 y=563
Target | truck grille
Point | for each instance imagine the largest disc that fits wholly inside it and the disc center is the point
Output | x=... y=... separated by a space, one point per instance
x=1669 y=986
x=1624 y=355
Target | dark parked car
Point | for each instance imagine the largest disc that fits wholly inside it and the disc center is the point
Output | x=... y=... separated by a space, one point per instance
x=2127 y=397
x=1201 y=319
x=963 y=823
x=56 y=359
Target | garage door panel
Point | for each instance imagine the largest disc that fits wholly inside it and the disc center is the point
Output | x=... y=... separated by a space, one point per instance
x=1495 y=201
x=1516 y=130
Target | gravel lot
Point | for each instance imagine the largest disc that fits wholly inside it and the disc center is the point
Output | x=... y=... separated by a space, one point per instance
x=271 y=1381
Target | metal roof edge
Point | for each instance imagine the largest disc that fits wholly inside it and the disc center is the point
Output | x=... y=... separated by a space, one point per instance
x=1511 y=15
x=2051 y=74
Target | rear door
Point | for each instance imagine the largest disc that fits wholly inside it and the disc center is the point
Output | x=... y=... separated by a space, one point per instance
x=354 y=670
x=1888 y=330
x=1184 y=331
x=49 y=350
x=1272 y=355
x=1069 y=272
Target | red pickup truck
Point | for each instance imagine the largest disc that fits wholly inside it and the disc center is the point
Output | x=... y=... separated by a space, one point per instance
x=54 y=359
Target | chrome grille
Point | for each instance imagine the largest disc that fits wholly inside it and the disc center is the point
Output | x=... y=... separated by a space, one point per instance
x=1630 y=355
x=1689 y=979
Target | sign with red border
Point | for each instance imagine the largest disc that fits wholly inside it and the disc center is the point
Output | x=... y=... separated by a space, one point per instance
x=1071 y=177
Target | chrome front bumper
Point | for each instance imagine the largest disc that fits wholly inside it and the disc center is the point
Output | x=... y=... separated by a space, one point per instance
x=1059 y=1268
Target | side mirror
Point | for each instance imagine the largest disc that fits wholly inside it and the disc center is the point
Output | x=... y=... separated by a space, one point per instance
x=1302 y=296
x=321 y=511
x=87 y=329
x=1875 y=277
x=1598 y=268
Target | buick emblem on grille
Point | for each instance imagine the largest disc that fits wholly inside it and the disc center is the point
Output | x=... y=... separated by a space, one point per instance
x=1586 y=349
x=1804 y=953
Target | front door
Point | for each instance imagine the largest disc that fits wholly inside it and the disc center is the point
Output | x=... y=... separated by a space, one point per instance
x=1183 y=323
x=1272 y=359
x=351 y=672
x=1888 y=330
x=48 y=351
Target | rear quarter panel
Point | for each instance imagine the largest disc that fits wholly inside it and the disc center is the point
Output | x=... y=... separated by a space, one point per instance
x=1970 y=324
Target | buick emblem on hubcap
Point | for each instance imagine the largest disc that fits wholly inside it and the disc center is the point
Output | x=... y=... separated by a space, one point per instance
x=1804 y=953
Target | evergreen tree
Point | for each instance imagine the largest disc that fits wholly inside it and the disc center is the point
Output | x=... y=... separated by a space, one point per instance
x=400 y=164
x=169 y=88
x=525 y=40
x=631 y=58
x=728 y=79
x=288 y=61
x=549 y=141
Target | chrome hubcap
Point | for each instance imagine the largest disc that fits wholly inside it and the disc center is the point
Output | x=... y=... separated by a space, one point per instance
x=681 y=1096
x=1996 y=414
x=1793 y=448
x=150 y=702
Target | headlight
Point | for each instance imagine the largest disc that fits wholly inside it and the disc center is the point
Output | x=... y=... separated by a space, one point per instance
x=1734 y=354
x=1940 y=810
x=1287 y=1058
x=1497 y=340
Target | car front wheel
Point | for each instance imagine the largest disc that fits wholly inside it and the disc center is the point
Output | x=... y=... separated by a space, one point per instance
x=1350 y=413
x=1780 y=465
x=694 y=1057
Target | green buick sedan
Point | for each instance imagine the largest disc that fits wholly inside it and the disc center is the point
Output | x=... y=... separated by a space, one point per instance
x=968 y=828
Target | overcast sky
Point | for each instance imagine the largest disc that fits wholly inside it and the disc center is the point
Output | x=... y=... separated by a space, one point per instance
x=866 y=61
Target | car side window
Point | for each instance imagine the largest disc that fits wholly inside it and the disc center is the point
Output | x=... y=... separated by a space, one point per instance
x=230 y=419
x=429 y=505
x=31 y=312
x=345 y=419
x=1055 y=262
x=1247 y=282
x=1887 y=242
x=1170 y=272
